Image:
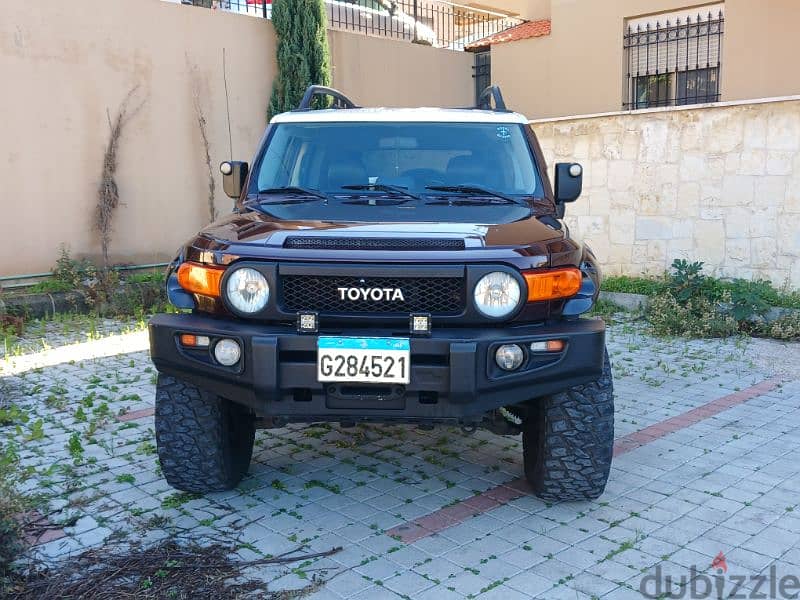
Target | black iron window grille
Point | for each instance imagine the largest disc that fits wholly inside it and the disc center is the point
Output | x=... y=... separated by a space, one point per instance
x=430 y=22
x=675 y=62
x=482 y=73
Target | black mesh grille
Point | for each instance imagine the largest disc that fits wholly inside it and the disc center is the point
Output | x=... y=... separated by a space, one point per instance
x=434 y=295
x=331 y=243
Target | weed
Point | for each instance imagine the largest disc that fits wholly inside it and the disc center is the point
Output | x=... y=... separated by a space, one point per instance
x=36 y=432
x=331 y=487
x=12 y=414
x=74 y=447
x=605 y=309
x=178 y=499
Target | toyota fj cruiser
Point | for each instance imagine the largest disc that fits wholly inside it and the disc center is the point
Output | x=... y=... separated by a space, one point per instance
x=390 y=265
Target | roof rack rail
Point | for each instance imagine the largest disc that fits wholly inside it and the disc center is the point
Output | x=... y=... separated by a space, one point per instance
x=339 y=99
x=492 y=92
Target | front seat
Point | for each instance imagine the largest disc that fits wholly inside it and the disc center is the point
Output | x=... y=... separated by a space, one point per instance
x=468 y=169
x=346 y=170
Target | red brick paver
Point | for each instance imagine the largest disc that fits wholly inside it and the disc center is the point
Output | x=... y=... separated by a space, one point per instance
x=136 y=414
x=506 y=492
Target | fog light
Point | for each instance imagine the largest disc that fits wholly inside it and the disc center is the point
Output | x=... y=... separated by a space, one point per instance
x=307 y=322
x=509 y=357
x=227 y=352
x=420 y=324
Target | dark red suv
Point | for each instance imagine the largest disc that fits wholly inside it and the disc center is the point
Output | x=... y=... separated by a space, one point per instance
x=390 y=265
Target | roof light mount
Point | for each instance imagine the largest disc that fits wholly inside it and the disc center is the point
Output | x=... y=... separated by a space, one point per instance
x=492 y=92
x=339 y=99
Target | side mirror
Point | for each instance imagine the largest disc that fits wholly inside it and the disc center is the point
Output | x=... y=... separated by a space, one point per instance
x=569 y=182
x=234 y=174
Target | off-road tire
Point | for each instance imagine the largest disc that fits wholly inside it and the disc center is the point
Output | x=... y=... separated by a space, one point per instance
x=204 y=442
x=568 y=440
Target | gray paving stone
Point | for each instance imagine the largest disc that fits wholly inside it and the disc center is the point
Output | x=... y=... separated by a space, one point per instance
x=727 y=483
x=439 y=592
x=408 y=584
x=530 y=583
x=591 y=584
x=376 y=593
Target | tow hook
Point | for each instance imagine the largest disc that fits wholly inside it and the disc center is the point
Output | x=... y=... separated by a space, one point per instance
x=510 y=417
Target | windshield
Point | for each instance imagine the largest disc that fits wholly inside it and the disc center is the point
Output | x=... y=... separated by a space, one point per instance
x=329 y=157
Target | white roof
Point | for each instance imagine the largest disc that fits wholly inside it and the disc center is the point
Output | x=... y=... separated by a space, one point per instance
x=403 y=115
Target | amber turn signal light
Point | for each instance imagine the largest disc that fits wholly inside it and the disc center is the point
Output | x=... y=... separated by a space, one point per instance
x=552 y=283
x=200 y=279
x=195 y=341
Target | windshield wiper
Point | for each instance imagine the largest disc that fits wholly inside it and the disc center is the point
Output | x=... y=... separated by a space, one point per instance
x=293 y=189
x=473 y=190
x=382 y=187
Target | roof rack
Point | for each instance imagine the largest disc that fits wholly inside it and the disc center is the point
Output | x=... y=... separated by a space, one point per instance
x=492 y=92
x=339 y=99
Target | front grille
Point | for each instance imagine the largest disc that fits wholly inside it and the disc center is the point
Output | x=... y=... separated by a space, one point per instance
x=434 y=295
x=361 y=243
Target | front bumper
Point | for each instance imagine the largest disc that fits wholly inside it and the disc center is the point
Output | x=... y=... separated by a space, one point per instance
x=453 y=374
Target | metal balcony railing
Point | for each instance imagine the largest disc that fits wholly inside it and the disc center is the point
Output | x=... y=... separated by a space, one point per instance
x=431 y=22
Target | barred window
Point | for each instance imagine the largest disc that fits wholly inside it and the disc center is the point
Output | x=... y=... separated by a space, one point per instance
x=674 y=61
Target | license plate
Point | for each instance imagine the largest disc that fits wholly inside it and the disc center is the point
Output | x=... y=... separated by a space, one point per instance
x=364 y=360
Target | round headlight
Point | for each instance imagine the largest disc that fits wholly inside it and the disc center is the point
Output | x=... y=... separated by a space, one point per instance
x=497 y=294
x=247 y=290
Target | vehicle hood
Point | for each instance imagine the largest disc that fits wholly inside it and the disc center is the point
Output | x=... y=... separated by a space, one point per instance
x=257 y=229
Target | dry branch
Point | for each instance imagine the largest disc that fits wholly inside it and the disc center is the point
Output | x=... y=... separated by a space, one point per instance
x=202 y=125
x=108 y=192
x=168 y=570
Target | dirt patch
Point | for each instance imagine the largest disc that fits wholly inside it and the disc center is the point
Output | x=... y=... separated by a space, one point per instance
x=775 y=357
x=169 y=570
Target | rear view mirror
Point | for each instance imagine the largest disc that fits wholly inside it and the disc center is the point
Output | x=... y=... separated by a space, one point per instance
x=234 y=174
x=569 y=182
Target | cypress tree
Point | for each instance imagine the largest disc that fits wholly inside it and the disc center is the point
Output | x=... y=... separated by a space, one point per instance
x=303 y=54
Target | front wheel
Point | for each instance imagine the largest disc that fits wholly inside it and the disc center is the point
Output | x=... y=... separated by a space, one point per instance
x=204 y=442
x=568 y=440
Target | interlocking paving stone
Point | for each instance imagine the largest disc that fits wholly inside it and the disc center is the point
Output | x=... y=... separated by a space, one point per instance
x=711 y=462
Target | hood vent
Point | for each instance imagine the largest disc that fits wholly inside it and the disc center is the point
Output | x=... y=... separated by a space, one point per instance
x=361 y=243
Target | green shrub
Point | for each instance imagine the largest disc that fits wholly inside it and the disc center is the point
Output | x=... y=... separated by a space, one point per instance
x=633 y=285
x=12 y=506
x=605 y=308
x=786 y=327
x=694 y=317
x=303 y=54
x=72 y=273
x=105 y=290
x=686 y=281
x=688 y=278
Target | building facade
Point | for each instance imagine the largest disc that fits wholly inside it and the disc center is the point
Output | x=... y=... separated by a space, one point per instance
x=598 y=57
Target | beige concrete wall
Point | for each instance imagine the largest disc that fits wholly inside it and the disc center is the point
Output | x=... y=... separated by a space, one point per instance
x=579 y=68
x=64 y=64
x=719 y=184
x=383 y=72
x=761 y=49
x=529 y=10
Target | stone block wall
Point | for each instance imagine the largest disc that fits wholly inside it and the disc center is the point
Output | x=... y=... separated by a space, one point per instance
x=718 y=183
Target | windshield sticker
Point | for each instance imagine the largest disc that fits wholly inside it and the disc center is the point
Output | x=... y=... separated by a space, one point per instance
x=503 y=132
